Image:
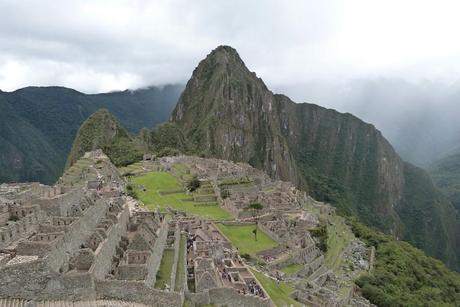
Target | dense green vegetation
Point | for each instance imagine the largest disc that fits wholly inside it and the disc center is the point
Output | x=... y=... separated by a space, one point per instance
x=39 y=124
x=403 y=275
x=165 y=140
x=242 y=237
x=162 y=190
x=102 y=131
x=279 y=293
x=321 y=235
x=446 y=175
x=431 y=222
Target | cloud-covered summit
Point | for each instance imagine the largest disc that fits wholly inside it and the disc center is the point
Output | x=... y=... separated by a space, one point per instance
x=96 y=46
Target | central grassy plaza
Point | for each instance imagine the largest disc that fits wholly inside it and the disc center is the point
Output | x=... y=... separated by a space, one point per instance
x=162 y=189
x=242 y=237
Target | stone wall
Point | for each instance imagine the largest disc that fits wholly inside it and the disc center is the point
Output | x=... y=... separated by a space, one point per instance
x=227 y=297
x=34 y=279
x=271 y=234
x=19 y=229
x=107 y=248
x=176 y=256
x=60 y=205
x=137 y=291
x=79 y=231
x=154 y=261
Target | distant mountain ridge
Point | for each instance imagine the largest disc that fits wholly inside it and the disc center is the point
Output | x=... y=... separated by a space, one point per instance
x=446 y=175
x=226 y=111
x=39 y=124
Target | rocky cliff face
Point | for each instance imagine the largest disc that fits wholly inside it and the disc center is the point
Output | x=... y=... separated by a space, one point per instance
x=226 y=111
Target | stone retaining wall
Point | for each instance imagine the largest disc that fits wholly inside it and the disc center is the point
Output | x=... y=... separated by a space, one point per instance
x=137 y=291
x=154 y=260
x=107 y=248
x=176 y=257
x=79 y=232
x=227 y=297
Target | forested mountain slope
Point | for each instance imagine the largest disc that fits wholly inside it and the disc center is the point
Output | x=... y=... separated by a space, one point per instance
x=39 y=124
x=227 y=111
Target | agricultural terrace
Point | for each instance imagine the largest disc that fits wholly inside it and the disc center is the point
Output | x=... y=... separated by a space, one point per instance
x=163 y=189
x=243 y=238
x=278 y=292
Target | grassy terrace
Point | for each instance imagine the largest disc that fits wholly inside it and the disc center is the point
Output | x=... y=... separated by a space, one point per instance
x=292 y=268
x=180 y=274
x=339 y=237
x=242 y=237
x=164 y=272
x=279 y=293
x=134 y=168
x=163 y=190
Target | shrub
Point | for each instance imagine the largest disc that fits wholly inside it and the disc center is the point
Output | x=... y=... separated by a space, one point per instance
x=225 y=193
x=321 y=235
x=193 y=184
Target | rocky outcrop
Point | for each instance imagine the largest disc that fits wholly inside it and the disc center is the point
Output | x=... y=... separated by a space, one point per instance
x=226 y=111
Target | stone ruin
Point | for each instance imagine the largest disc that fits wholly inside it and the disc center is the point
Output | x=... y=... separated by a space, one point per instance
x=214 y=267
x=83 y=241
x=80 y=240
x=287 y=215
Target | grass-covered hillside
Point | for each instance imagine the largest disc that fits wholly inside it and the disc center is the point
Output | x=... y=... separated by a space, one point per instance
x=39 y=124
x=102 y=131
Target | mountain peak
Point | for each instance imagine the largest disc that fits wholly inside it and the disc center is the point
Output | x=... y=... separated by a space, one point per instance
x=103 y=131
x=222 y=60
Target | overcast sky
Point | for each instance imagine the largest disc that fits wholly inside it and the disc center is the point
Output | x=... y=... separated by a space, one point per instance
x=97 y=46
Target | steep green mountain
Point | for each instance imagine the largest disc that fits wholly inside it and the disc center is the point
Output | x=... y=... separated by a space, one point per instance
x=226 y=111
x=446 y=175
x=39 y=124
x=102 y=131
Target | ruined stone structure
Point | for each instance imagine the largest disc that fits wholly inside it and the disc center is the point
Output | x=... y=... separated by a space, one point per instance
x=79 y=240
x=83 y=242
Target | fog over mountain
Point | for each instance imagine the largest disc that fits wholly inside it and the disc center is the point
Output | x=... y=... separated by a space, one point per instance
x=399 y=75
x=419 y=118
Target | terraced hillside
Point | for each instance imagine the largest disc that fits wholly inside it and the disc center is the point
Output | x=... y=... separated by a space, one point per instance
x=270 y=236
x=162 y=190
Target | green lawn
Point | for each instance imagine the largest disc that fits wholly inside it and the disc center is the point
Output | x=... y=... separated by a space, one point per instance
x=278 y=293
x=156 y=182
x=164 y=272
x=292 y=268
x=180 y=274
x=242 y=237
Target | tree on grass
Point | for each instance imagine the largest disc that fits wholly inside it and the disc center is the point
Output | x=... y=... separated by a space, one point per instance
x=255 y=207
